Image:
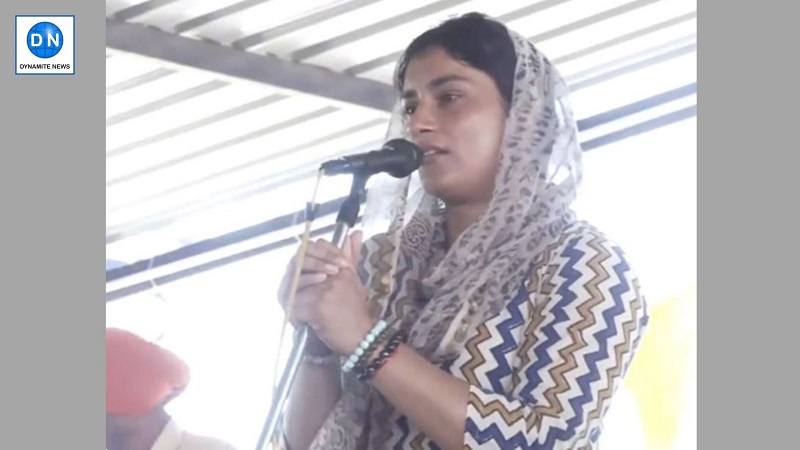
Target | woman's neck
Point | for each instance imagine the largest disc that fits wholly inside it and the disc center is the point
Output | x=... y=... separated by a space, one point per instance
x=460 y=217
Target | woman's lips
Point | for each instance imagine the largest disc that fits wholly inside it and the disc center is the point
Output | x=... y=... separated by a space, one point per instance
x=432 y=152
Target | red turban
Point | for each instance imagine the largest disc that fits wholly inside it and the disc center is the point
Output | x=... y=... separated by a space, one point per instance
x=139 y=374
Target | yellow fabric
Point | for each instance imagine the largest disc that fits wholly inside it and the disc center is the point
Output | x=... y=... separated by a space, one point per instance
x=662 y=371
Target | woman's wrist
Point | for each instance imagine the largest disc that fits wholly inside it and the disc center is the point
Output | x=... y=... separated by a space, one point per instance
x=316 y=353
x=381 y=354
x=360 y=334
x=365 y=345
x=315 y=348
x=373 y=350
x=330 y=359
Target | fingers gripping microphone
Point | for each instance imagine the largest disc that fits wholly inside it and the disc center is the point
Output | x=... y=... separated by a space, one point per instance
x=398 y=157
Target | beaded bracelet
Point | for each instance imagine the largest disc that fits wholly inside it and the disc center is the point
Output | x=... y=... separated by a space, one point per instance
x=369 y=371
x=384 y=336
x=365 y=344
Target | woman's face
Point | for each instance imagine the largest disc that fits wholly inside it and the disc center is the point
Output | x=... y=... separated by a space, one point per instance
x=456 y=114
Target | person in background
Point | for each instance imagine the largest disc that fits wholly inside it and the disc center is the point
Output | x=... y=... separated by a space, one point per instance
x=141 y=379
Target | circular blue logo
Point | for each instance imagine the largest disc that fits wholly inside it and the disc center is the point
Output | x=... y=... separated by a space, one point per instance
x=45 y=40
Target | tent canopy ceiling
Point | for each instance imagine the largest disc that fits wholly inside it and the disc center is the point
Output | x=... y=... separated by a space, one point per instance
x=219 y=112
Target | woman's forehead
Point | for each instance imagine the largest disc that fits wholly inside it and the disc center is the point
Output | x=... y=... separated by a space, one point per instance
x=434 y=68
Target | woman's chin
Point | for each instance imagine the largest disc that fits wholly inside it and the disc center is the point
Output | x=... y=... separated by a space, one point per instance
x=444 y=192
x=436 y=187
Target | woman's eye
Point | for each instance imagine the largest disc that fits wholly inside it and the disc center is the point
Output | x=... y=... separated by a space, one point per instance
x=448 y=98
x=409 y=109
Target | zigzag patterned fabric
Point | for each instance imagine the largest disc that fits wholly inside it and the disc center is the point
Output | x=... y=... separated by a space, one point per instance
x=543 y=371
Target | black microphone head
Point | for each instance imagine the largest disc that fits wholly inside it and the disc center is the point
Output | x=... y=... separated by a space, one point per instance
x=411 y=157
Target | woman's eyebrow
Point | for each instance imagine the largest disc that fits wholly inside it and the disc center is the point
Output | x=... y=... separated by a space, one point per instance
x=436 y=82
x=444 y=79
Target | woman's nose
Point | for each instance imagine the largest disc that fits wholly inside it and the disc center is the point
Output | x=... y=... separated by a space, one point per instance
x=422 y=120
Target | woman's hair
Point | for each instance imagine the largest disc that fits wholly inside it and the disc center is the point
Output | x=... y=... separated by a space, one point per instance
x=474 y=39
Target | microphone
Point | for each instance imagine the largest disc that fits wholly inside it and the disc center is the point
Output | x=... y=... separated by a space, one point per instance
x=398 y=157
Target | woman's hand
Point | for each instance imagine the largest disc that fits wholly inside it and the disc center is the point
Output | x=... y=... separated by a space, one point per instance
x=321 y=260
x=337 y=307
x=330 y=297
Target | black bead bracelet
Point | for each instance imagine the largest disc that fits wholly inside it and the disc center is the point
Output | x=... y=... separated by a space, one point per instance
x=366 y=373
x=379 y=339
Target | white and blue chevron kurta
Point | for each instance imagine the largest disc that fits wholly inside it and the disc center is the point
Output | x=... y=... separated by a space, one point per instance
x=543 y=371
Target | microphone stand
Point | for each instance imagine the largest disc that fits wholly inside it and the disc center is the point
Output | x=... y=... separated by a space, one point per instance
x=345 y=220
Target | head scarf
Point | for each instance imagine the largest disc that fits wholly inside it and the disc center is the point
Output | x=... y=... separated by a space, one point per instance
x=139 y=374
x=439 y=296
